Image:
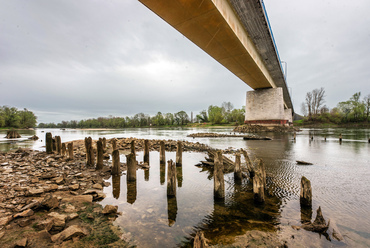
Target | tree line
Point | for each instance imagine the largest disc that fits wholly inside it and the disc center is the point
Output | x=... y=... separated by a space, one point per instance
x=354 y=109
x=215 y=114
x=11 y=117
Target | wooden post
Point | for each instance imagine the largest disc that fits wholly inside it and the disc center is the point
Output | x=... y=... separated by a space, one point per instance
x=89 y=152
x=312 y=137
x=49 y=143
x=70 y=150
x=100 y=152
x=64 y=150
x=258 y=188
x=369 y=140
x=200 y=240
x=306 y=193
x=146 y=151
x=262 y=170
x=104 y=142
x=58 y=142
x=249 y=164
x=114 y=144
x=54 y=144
x=115 y=163
x=218 y=175
x=295 y=135
x=179 y=154
x=162 y=152
x=325 y=138
x=133 y=147
x=340 y=137
x=171 y=178
x=237 y=169
x=131 y=167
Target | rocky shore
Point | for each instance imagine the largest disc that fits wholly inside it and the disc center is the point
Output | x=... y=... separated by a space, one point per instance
x=257 y=129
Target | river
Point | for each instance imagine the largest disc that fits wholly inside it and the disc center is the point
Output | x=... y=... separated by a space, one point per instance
x=339 y=177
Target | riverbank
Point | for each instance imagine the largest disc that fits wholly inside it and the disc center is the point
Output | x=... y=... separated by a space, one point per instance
x=307 y=124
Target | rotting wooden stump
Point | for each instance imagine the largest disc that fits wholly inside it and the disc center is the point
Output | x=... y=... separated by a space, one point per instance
x=114 y=144
x=49 y=143
x=218 y=175
x=104 y=142
x=261 y=169
x=100 y=154
x=90 y=158
x=171 y=178
x=64 y=149
x=228 y=164
x=249 y=164
x=319 y=225
x=306 y=193
x=301 y=162
x=237 y=171
x=340 y=138
x=133 y=147
x=115 y=163
x=12 y=134
x=162 y=152
x=131 y=167
x=200 y=240
x=70 y=150
x=258 y=187
x=146 y=151
x=179 y=154
x=58 y=143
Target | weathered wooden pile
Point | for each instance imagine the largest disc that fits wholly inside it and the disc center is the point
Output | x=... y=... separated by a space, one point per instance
x=12 y=134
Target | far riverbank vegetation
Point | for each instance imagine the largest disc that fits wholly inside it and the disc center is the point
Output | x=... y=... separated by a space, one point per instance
x=215 y=115
x=11 y=117
x=353 y=112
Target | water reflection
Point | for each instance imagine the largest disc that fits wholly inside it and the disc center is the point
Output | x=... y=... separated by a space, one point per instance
x=146 y=174
x=171 y=210
x=179 y=176
x=131 y=191
x=162 y=169
x=116 y=186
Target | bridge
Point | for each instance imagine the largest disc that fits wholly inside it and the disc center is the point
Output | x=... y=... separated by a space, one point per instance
x=237 y=34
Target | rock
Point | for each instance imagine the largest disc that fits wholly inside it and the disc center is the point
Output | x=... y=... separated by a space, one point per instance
x=34 y=138
x=59 y=180
x=45 y=224
x=58 y=219
x=25 y=213
x=21 y=243
x=79 y=198
x=110 y=209
x=5 y=220
x=51 y=187
x=70 y=232
x=50 y=202
x=72 y=216
x=48 y=175
x=33 y=204
x=97 y=186
x=74 y=187
x=69 y=208
x=25 y=221
x=32 y=192
x=97 y=194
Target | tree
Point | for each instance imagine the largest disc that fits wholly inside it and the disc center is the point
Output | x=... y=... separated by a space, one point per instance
x=202 y=117
x=215 y=114
x=181 y=118
x=367 y=106
x=314 y=100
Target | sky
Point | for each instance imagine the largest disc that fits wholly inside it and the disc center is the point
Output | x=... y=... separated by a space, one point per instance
x=73 y=60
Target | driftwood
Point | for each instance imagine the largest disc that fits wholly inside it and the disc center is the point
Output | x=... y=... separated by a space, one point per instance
x=319 y=225
x=12 y=135
x=229 y=165
x=303 y=162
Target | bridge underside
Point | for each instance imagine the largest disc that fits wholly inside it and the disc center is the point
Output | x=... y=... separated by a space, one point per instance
x=233 y=32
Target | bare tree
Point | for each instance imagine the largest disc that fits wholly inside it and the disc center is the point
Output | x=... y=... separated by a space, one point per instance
x=367 y=106
x=304 y=109
x=314 y=101
x=309 y=103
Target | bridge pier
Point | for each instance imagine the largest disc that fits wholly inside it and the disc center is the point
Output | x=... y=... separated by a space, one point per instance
x=266 y=107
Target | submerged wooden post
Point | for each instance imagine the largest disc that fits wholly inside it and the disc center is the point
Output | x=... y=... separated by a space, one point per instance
x=340 y=137
x=179 y=154
x=306 y=193
x=262 y=170
x=114 y=144
x=218 y=175
x=325 y=138
x=89 y=152
x=146 y=151
x=99 y=155
x=249 y=164
x=49 y=143
x=70 y=150
x=115 y=163
x=295 y=135
x=133 y=147
x=369 y=140
x=237 y=169
x=162 y=152
x=171 y=178
x=258 y=187
x=131 y=167
x=64 y=149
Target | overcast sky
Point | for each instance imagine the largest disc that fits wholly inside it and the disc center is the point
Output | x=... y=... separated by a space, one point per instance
x=71 y=59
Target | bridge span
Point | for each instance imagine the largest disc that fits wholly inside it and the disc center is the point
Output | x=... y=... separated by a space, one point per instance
x=237 y=34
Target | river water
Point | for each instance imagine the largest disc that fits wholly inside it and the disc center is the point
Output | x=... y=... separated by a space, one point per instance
x=339 y=177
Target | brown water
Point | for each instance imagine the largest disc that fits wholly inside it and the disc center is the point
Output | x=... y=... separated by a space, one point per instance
x=339 y=177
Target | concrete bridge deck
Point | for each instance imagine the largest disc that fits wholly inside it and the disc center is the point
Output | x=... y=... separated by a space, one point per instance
x=235 y=33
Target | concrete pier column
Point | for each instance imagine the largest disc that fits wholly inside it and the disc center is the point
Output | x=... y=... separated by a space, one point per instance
x=266 y=107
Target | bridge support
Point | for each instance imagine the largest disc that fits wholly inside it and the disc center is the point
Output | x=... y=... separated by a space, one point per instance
x=266 y=107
